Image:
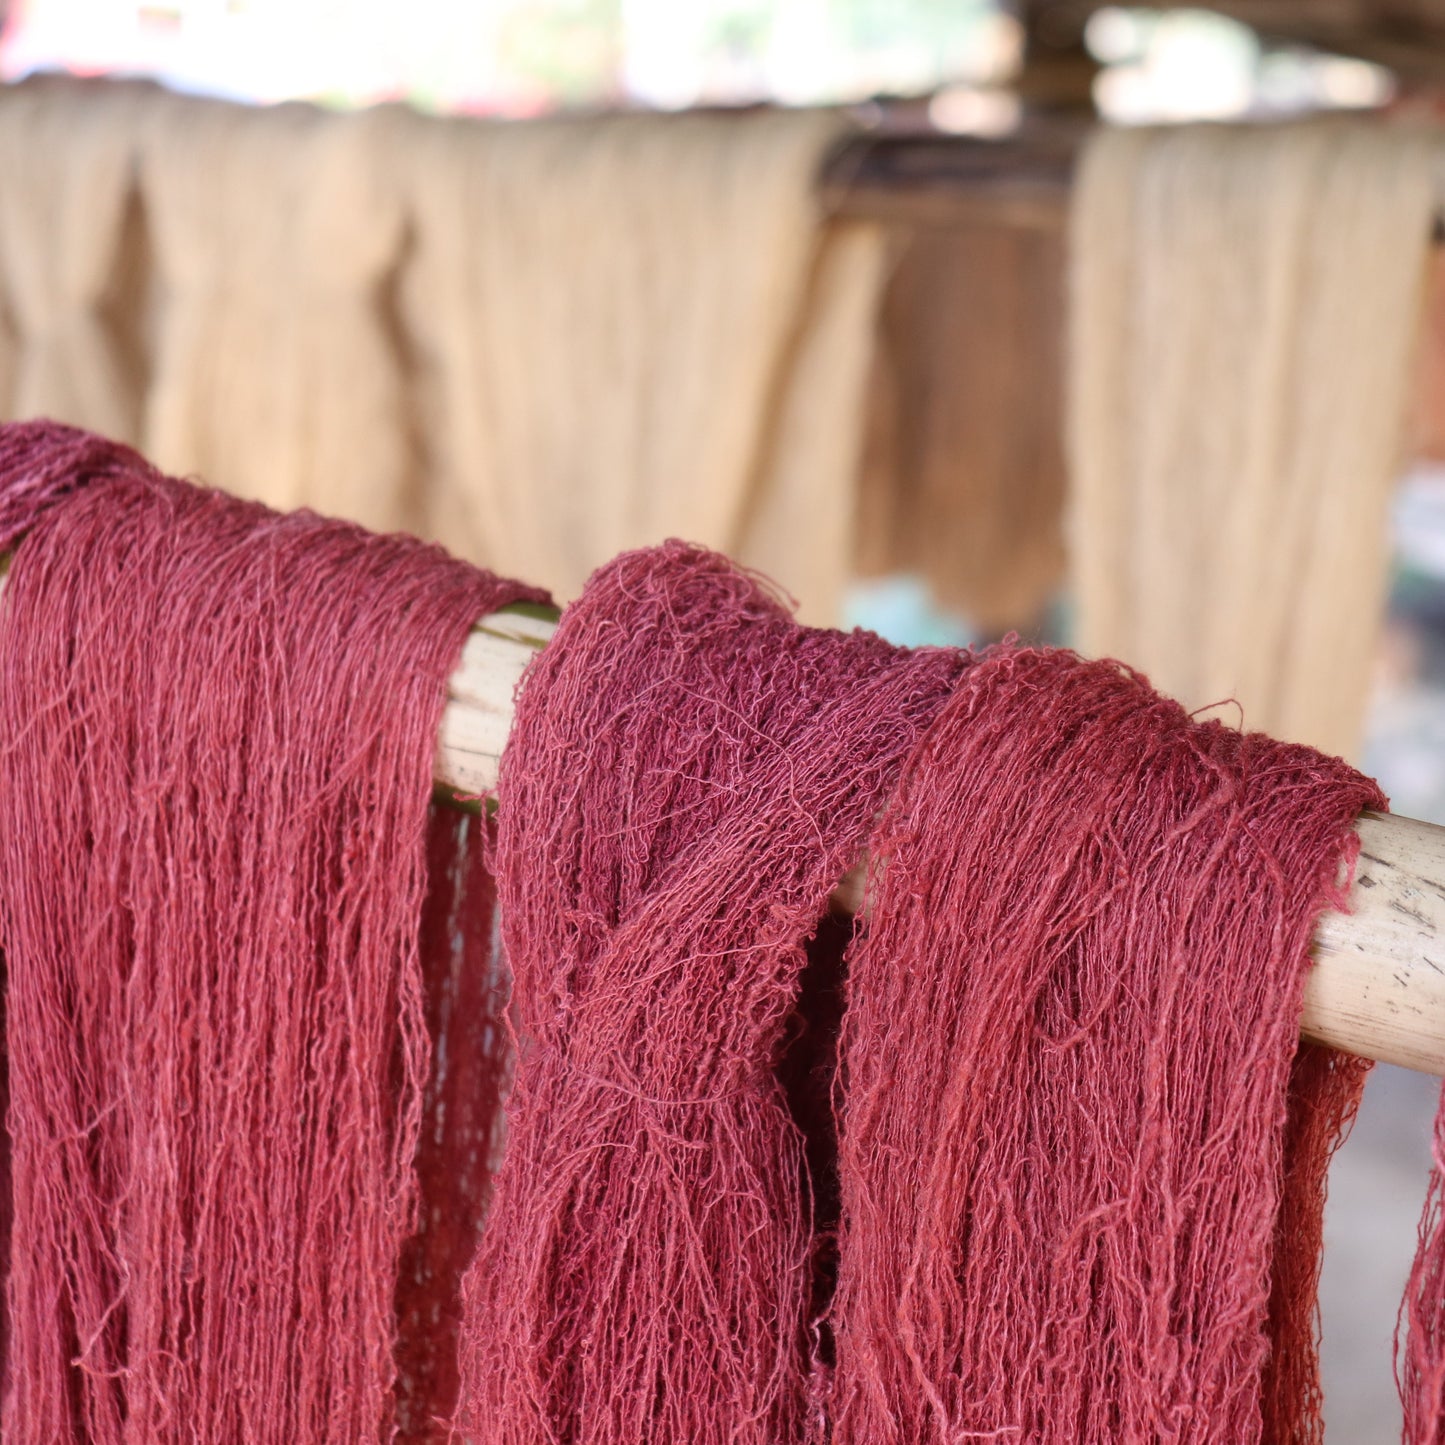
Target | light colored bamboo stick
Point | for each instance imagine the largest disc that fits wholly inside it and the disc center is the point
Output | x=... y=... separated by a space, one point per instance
x=1378 y=986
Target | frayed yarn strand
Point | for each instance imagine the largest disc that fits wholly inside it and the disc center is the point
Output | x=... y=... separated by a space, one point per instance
x=1420 y=1334
x=689 y=774
x=1079 y=1204
x=217 y=730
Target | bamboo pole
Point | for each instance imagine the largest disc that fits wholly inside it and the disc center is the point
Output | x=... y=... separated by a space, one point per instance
x=1378 y=985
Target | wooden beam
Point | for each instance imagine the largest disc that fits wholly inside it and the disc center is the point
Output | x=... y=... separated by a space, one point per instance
x=955 y=180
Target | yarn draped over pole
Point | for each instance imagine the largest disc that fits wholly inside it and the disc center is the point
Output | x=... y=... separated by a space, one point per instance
x=689 y=774
x=1082 y=1152
x=1072 y=1025
x=217 y=731
x=255 y=1020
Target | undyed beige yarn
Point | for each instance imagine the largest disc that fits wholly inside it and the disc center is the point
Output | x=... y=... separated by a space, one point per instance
x=799 y=525
x=1245 y=302
x=627 y=328
x=541 y=343
x=274 y=231
x=66 y=178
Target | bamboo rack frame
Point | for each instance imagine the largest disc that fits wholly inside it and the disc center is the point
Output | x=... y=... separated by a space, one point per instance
x=1378 y=985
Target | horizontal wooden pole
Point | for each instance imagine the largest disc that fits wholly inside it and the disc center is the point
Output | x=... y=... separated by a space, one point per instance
x=1378 y=985
x=1020 y=181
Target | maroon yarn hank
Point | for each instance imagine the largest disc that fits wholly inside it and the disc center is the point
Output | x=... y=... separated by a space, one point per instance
x=1078 y=1204
x=688 y=776
x=217 y=731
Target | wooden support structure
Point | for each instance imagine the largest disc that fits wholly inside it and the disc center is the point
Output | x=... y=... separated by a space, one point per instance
x=909 y=179
x=1378 y=986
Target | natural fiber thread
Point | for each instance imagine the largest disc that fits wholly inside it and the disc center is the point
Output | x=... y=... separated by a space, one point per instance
x=800 y=520
x=615 y=334
x=67 y=173
x=689 y=773
x=614 y=329
x=1063 y=1030
x=217 y=729
x=1069 y=1211
x=962 y=480
x=1060 y=875
x=276 y=376
x=1244 y=304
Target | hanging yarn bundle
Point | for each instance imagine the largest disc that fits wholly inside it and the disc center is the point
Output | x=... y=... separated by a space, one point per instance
x=1069 y=1032
x=1082 y=1153
x=963 y=473
x=67 y=173
x=803 y=483
x=689 y=775
x=217 y=729
x=539 y=342
x=276 y=376
x=634 y=327
x=1244 y=306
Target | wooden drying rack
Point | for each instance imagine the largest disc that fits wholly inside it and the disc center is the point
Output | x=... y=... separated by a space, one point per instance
x=901 y=178
x=1378 y=986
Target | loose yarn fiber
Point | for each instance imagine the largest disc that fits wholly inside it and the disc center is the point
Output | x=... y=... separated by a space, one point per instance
x=1244 y=309
x=698 y=772
x=217 y=728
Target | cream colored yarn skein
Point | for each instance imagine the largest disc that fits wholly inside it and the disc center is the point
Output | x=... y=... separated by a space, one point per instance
x=799 y=526
x=1245 y=302
x=274 y=230
x=609 y=316
x=67 y=167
